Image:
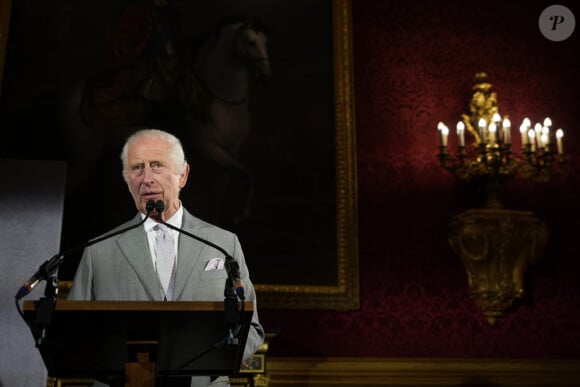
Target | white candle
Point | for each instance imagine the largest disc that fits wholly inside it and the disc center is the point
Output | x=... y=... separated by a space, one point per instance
x=544 y=140
x=461 y=133
x=444 y=134
x=492 y=130
x=532 y=139
x=559 y=135
x=523 y=132
x=481 y=124
x=440 y=127
x=496 y=118
x=507 y=127
x=538 y=130
x=546 y=132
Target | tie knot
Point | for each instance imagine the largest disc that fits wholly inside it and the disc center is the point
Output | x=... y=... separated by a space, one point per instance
x=161 y=229
x=162 y=232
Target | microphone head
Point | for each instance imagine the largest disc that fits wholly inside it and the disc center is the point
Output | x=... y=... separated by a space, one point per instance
x=150 y=206
x=160 y=206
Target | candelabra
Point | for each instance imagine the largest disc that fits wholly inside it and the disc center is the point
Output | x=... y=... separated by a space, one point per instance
x=492 y=161
x=497 y=244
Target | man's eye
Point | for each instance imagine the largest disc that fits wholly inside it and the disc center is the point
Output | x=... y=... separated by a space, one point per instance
x=137 y=169
x=156 y=165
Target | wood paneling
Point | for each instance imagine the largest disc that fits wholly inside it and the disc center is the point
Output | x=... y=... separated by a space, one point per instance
x=294 y=371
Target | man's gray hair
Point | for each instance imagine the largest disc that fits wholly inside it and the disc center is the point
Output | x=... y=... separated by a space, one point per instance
x=176 y=149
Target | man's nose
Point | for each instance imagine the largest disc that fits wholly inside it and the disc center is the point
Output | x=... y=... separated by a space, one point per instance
x=148 y=174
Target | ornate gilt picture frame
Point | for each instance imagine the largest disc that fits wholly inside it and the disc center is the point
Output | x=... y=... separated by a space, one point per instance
x=344 y=295
x=300 y=241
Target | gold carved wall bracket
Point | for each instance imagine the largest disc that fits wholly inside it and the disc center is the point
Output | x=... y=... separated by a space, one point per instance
x=496 y=246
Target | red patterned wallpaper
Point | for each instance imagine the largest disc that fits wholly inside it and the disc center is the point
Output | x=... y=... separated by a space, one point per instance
x=414 y=65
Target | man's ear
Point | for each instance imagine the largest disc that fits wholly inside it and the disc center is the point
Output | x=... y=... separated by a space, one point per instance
x=183 y=177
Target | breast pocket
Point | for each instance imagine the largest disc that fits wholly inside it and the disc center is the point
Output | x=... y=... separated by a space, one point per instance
x=213 y=275
x=211 y=286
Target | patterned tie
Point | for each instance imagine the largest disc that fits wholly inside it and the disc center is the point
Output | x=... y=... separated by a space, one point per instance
x=165 y=260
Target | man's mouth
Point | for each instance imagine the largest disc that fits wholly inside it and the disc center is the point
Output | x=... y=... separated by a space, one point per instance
x=151 y=195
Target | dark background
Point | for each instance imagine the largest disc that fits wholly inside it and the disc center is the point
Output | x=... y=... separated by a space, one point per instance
x=290 y=235
x=414 y=64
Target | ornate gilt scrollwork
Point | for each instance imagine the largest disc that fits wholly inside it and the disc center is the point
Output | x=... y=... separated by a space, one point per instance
x=496 y=246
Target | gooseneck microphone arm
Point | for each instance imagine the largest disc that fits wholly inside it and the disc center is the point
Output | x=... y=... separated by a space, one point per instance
x=234 y=289
x=49 y=267
x=45 y=306
x=231 y=265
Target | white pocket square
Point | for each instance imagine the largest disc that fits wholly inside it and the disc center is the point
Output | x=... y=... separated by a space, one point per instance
x=215 y=264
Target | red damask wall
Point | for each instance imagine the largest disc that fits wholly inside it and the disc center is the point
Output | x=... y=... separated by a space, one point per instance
x=414 y=63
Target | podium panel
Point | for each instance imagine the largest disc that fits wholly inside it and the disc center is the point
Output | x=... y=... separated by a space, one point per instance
x=188 y=346
x=92 y=339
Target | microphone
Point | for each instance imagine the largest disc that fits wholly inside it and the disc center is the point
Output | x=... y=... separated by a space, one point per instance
x=231 y=265
x=49 y=267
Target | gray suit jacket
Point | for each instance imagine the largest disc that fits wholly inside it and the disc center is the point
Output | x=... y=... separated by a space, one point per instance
x=120 y=268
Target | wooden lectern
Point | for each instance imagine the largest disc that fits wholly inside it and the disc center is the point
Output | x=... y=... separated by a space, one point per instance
x=137 y=343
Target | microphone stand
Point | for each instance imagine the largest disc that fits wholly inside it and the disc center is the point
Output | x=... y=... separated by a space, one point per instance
x=47 y=271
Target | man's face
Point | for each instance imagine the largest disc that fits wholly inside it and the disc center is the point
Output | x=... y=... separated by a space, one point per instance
x=151 y=175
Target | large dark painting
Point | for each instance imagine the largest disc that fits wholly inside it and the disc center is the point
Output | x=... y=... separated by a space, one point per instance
x=260 y=93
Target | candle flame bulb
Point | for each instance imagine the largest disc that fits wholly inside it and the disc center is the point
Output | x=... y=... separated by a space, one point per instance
x=527 y=123
x=547 y=122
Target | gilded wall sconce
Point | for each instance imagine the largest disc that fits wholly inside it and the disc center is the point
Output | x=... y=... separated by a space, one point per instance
x=497 y=244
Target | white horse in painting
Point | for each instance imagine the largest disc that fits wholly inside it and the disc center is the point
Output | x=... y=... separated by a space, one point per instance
x=224 y=66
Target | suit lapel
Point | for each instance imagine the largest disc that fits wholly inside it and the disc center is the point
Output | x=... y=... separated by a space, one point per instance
x=135 y=248
x=189 y=253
